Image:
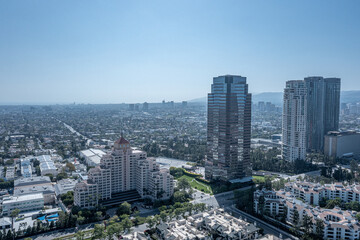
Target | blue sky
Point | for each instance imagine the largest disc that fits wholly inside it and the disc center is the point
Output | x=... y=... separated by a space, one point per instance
x=135 y=51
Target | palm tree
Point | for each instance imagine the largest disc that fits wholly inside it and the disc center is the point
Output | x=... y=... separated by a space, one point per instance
x=13 y=215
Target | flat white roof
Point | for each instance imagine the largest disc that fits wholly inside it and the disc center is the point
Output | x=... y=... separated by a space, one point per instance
x=92 y=151
x=23 y=198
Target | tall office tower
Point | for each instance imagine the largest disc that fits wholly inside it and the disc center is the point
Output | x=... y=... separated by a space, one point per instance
x=323 y=106
x=229 y=130
x=332 y=105
x=145 y=106
x=184 y=104
x=294 y=121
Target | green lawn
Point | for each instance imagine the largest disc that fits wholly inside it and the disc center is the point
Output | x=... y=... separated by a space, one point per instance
x=258 y=179
x=197 y=185
x=261 y=179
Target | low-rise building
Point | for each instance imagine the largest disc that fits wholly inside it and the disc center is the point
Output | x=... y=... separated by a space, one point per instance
x=24 y=203
x=342 y=144
x=26 y=169
x=5 y=223
x=10 y=173
x=47 y=165
x=92 y=156
x=203 y=226
x=32 y=181
x=29 y=186
x=65 y=185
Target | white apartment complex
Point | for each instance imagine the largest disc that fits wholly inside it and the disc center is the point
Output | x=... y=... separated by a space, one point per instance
x=294 y=121
x=121 y=170
x=24 y=203
x=312 y=193
x=152 y=181
x=338 y=224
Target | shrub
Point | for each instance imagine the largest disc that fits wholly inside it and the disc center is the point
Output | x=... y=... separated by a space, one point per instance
x=191 y=174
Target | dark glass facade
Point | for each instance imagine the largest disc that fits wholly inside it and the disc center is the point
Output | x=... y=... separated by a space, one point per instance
x=229 y=129
x=323 y=106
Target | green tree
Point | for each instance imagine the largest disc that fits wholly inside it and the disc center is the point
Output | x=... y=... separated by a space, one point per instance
x=62 y=220
x=163 y=216
x=180 y=196
x=80 y=235
x=268 y=184
x=333 y=203
x=284 y=215
x=124 y=208
x=114 y=229
x=99 y=232
x=307 y=224
x=183 y=184
x=354 y=166
x=176 y=172
x=98 y=215
x=126 y=224
x=81 y=220
x=319 y=229
x=162 y=208
x=261 y=205
x=14 y=213
x=50 y=176
x=296 y=217
x=150 y=221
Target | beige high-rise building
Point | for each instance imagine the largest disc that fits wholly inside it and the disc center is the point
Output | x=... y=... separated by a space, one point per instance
x=294 y=121
x=121 y=172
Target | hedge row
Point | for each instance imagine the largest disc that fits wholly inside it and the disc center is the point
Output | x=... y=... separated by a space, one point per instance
x=190 y=174
x=200 y=179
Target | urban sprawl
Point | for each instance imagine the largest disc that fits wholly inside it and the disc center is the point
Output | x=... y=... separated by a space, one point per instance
x=232 y=166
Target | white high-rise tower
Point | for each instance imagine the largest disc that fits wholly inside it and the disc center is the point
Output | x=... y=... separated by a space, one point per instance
x=294 y=121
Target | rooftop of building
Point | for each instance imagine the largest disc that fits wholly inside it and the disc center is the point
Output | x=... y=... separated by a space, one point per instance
x=29 y=197
x=122 y=140
x=44 y=158
x=31 y=181
x=93 y=152
x=339 y=134
x=40 y=188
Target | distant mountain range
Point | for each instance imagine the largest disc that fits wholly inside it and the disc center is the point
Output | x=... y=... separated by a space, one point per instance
x=276 y=97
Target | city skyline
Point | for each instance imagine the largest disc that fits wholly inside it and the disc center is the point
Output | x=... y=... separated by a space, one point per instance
x=116 y=52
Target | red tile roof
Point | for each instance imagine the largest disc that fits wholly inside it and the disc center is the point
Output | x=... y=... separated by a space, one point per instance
x=122 y=140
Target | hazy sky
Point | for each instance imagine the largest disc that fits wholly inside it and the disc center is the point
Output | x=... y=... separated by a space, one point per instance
x=135 y=51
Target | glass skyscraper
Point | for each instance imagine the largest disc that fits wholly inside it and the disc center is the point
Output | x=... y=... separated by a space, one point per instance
x=323 y=108
x=229 y=130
